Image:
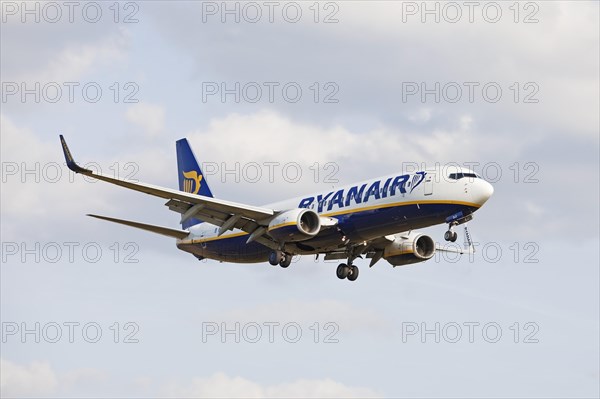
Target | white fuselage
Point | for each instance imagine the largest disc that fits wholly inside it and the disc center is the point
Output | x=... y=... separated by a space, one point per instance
x=365 y=210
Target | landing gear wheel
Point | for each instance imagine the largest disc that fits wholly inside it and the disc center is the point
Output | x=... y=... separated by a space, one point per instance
x=342 y=271
x=448 y=235
x=454 y=236
x=353 y=273
x=285 y=261
x=275 y=257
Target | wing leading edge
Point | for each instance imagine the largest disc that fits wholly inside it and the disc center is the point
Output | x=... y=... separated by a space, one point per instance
x=222 y=213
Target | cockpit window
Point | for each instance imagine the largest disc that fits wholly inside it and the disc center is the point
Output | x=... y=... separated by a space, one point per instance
x=457 y=176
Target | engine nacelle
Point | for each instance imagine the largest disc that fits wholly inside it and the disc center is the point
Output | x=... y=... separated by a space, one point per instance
x=414 y=248
x=295 y=225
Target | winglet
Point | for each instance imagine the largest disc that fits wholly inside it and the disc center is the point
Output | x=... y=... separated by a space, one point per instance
x=69 y=158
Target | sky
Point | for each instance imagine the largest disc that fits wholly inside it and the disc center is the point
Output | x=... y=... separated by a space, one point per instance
x=279 y=99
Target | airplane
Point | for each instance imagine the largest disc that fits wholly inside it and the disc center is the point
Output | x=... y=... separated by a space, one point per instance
x=376 y=218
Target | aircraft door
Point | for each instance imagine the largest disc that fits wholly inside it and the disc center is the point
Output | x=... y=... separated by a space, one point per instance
x=428 y=184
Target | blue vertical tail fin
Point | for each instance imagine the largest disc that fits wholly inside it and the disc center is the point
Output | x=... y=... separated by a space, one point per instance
x=191 y=179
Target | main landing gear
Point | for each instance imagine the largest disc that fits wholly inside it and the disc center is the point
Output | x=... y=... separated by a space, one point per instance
x=280 y=258
x=347 y=271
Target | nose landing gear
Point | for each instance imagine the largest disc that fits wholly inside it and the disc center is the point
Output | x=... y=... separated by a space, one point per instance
x=450 y=235
x=455 y=220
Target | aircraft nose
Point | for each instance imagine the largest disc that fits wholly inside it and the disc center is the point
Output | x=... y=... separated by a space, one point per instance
x=482 y=192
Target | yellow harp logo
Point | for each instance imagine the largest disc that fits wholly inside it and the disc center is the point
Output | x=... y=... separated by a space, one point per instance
x=191 y=182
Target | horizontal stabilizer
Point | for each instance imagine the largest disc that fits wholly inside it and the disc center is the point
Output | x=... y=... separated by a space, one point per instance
x=165 y=231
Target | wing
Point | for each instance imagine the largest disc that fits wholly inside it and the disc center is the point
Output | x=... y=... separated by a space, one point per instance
x=374 y=249
x=226 y=214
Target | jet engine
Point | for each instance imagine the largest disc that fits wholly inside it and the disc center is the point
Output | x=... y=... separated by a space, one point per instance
x=295 y=225
x=409 y=248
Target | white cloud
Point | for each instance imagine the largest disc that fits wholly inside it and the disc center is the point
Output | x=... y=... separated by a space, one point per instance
x=559 y=55
x=269 y=135
x=220 y=385
x=324 y=388
x=37 y=378
x=421 y=116
x=40 y=379
x=150 y=117
x=74 y=61
x=38 y=189
x=39 y=171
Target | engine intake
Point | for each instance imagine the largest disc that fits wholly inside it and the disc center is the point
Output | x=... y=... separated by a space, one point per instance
x=295 y=225
x=414 y=248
